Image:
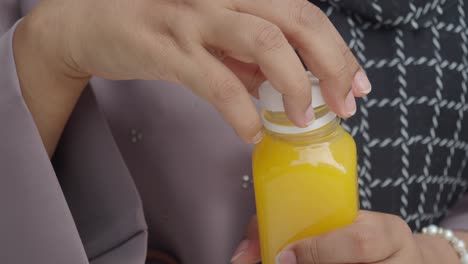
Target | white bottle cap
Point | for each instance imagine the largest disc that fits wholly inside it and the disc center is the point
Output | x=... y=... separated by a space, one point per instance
x=272 y=100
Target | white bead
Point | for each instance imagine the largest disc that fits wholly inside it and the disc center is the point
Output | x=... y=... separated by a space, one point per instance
x=448 y=234
x=432 y=230
x=464 y=259
x=459 y=245
x=440 y=231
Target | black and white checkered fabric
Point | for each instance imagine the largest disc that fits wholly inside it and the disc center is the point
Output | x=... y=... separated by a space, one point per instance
x=412 y=131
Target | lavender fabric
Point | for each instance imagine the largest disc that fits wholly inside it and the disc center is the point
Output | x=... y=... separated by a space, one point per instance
x=35 y=220
x=100 y=218
x=457 y=218
x=191 y=170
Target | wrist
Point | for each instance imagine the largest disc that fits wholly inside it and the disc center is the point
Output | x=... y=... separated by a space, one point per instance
x=50 y=87
x=42 y=35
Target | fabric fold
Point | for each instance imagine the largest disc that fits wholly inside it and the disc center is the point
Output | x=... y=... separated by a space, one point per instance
x=35 y=223
x=98 y=187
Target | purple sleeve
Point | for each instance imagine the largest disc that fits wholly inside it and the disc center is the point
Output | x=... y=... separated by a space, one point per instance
x=9 y=14
x=94 y=215
x=457 y=218
x=36 y=225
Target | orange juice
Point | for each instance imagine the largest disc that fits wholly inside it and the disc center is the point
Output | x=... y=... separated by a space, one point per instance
x=305 y=180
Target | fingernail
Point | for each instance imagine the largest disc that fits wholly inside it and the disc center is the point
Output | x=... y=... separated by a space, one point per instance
x=309 y=115
x=258 y=137
x=350 y=104
x=362 y=83
x=286 y=257
x=240 y=250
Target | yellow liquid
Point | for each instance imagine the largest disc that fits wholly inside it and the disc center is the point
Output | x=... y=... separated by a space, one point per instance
x=303 y=187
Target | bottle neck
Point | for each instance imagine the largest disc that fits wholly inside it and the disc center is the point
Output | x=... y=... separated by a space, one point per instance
x=278 y=122
x=325 y=133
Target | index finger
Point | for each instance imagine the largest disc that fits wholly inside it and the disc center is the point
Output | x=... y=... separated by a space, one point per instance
x=248 y=36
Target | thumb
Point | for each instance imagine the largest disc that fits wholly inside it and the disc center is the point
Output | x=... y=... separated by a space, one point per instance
x=248 y=251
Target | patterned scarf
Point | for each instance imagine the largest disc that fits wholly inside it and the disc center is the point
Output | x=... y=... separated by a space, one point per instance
x=412 y=130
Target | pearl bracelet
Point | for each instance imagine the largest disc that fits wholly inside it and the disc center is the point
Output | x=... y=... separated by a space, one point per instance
x=447 y=234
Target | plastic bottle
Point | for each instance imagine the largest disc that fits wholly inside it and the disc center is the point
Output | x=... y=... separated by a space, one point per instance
x=305 y=178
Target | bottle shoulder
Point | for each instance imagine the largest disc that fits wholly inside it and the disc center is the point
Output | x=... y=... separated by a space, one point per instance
x=280 y=147
x=337 y=155
x=334 y=136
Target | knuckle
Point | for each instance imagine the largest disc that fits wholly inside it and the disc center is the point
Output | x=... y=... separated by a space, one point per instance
x=313 y=251
x=307 y=251
x=338 y=71
x=347 y=53
x=269 y=37
x=364 y=241
x=254 y=126
x=342 y=70
x=307 y=15
x=250 y=130
x=350 y=59
x=399 y=224
x=224 y=90
x=301 y=88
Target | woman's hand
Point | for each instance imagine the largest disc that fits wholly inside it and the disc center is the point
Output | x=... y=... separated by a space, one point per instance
x=222 y=50
x=373 y=238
